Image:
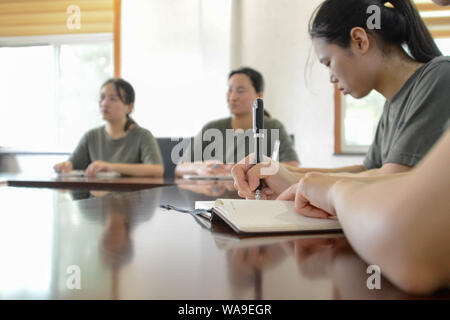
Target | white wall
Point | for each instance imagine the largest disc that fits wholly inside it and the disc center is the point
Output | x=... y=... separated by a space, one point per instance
x=177 y=54
x=272 y=36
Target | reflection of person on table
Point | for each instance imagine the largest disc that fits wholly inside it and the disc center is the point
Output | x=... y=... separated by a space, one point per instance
x=247 y=264
x=334 y=258
x=245 y=85
x=116 y=243
x=121 y=145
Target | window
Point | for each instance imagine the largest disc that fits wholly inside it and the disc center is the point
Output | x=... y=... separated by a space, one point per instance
x=54 y=55
x=356 y=119
x=50 y=90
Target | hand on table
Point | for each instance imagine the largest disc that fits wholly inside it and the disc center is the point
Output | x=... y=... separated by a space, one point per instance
x=98 y=166
x=63 y=167
x=313 y=195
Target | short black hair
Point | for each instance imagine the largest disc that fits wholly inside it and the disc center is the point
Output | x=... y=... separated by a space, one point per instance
x=255 y=77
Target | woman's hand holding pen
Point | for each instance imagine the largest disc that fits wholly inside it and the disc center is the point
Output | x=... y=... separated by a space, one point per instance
x=248 y=175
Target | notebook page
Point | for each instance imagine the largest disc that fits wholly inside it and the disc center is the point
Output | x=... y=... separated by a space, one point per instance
x=270 y=216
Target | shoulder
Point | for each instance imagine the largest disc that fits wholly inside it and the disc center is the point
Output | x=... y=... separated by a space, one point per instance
x=141 y=132
x=95 y=132
x=220 y=124
x=272 y=123
x=437 y=66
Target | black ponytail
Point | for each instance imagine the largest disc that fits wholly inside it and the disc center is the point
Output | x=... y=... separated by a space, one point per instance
x=126 y=94
x=401 y=24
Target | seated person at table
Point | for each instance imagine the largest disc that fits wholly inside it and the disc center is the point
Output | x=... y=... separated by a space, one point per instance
x=360 y=60
x=121 y=145
x=245 y=85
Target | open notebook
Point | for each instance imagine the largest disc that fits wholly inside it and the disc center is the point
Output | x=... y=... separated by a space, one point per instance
x=259 y=216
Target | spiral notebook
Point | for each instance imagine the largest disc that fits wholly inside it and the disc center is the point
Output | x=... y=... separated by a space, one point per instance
x=264 y=216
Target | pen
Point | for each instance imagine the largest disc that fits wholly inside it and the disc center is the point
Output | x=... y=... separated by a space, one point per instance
x=258 y=134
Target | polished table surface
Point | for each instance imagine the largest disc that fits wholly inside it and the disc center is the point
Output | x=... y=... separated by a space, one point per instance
x=124 y=246
x=52 y=180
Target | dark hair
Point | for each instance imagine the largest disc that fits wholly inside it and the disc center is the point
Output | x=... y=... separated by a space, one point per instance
x=400 y=24
x=126 y=94
x=256 y=79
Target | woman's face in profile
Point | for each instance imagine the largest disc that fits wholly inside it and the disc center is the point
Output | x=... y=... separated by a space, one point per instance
x=241 y=94
x=347 y=70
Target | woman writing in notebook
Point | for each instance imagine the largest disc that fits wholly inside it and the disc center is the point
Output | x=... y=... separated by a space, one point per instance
x=360 y=60
x=407 y=213
x=244 y=86
x=121 y=145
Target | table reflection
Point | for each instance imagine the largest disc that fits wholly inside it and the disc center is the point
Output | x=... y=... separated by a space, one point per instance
x=126 y=247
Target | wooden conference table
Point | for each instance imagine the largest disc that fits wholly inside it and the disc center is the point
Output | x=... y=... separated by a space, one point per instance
x=122 y=245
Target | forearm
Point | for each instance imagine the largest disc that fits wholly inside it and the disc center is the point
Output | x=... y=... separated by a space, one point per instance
x=294 y=164
x=348 y=169
x=387 y=214
x=139 y=169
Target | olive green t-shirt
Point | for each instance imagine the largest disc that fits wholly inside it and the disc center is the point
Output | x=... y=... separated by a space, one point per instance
x=138 y=146
x=413 y=120
x=237 y=144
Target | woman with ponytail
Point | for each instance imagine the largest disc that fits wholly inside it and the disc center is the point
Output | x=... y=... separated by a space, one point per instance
x=121 y=145
x=399 y=59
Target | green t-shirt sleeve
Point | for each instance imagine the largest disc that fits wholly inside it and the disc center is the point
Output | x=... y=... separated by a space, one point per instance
x=426 y=111
x=287 y=151
x=80 y=156
x=149 y=149
x=423 y=125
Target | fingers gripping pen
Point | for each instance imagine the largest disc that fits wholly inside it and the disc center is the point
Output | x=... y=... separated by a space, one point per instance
x=258 y=134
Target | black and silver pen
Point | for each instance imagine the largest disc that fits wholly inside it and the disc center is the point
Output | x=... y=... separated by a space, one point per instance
x=258 y=134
